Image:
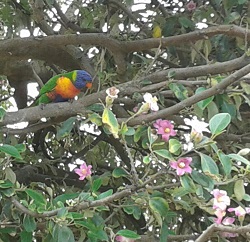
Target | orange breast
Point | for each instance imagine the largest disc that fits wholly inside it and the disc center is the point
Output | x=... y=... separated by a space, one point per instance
x=65 y=88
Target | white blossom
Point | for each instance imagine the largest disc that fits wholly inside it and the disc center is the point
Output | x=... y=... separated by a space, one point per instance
x=151 y=101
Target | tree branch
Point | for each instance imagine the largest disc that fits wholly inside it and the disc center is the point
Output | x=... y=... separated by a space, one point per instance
x=66 y=109
x=220 y=87
x=37 y=47
x=215 y=227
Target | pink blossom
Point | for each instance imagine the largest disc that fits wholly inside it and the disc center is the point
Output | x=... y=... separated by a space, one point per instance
x=151 y=101
x=221 y=200
x=123 y=239
x=84 y=171
x=191 y=6
x=228 y=221
x=165 y=128
x=182 y=165
x=219 y=214
x=239 y=211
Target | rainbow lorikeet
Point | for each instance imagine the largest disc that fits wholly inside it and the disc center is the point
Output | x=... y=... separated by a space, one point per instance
x=64 y=87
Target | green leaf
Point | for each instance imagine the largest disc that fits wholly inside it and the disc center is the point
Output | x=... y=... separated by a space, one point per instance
x=207 y=47
x=171 y=74
x=96 y=107
x=96 y=184
x=29 y=223
x=239 y=158
x=229 y=108
x=6 y=184
x=62 y=213
x=204 y=103
x=230 y=18
x=146 y=82
x=159 y=205
x=164 y=153
x=86 y=224
x=64 y=233
x=105 y=194
x=186 y=22
x=97 y=235
x=10 y=175
x=174 y=146
x=64 y=197
x=50 y=2
x=225 y=161
x=219 y=122
x=146 y=159
x=85 y=196
x=208 y=165
x=26 y=236
x=9 y=192
x=246 y=197
x=36 y=196
x=139 y=132
x=239 y=190
x=76 y=215
x=119 y=172
x=212 y=110
x=10 y=150
x=137 y=212
x=20 y=147
x=109 y=118
x=242 y=1
x=128 y=234
x=95 y=119
x=151 y=137
x=179 y=91
x=203 y=180
x=187 y=183
x=2 y=113
x=199 y=191
x=130 y=131
x=124 y=128
x=179 y=192
x=164 y=231
x=65 y=128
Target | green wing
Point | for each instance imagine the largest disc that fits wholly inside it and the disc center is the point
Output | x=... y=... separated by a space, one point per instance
x=49 y=86
x=51 y=83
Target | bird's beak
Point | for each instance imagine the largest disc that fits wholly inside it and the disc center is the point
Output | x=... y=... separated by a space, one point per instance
x=89 y=85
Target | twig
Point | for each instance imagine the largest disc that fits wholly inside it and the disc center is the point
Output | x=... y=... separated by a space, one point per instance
x=127 y=11
x=81 y=206
x=132 y=164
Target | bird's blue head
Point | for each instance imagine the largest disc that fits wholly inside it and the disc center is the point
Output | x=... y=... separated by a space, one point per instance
x=82 y=79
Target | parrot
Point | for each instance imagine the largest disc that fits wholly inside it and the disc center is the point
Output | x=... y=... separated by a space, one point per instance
x=63 y=87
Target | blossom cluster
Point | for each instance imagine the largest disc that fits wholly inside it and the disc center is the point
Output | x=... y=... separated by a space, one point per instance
x=166 y=129
x=220 y=203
